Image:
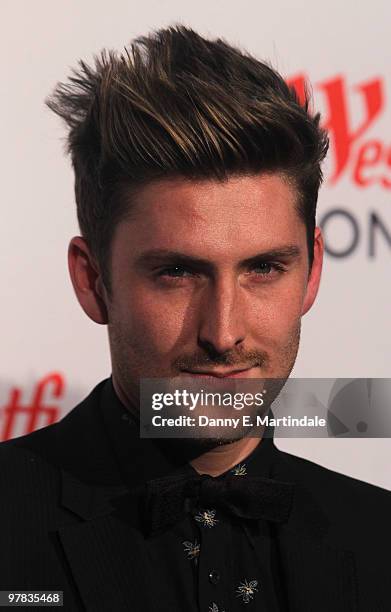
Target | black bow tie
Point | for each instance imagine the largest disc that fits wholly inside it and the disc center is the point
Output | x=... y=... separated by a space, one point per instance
x=168 y=499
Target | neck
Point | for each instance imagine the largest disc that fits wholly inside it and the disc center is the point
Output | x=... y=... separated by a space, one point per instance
x=215 y=461
x=221 y=458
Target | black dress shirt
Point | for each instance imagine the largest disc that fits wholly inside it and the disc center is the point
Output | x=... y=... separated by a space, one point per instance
x=210 y=561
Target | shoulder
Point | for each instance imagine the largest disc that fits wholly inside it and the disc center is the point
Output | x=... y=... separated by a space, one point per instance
x=24 y=476
x=73 y=444
x=351 y=505
x=33 y=467
x=322 y=478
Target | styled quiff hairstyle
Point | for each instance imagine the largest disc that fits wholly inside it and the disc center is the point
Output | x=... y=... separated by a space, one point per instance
x=176 y=104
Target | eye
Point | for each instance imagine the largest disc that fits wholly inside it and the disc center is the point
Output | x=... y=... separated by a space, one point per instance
x=267 y=269
x=175 y=272
x=263 y=268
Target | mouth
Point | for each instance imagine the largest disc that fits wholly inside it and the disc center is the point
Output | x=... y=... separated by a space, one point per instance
x=242 y=373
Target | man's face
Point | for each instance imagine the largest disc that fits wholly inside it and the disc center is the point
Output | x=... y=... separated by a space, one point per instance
x=209 y=276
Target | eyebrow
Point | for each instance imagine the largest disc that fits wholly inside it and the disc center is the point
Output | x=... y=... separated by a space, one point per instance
x=164 y=256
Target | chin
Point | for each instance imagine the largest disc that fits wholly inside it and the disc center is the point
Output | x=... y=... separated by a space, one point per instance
x=208 y=443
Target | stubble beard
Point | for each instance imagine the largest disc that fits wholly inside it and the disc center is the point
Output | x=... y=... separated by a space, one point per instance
x=278 y=376
x=278 y=368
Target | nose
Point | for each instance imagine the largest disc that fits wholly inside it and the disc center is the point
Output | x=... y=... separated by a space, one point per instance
x=222 y=320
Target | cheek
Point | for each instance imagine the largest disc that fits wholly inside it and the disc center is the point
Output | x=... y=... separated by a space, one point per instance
x=150 y=324
x=276 y=315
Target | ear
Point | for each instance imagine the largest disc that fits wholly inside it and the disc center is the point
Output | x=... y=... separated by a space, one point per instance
x=86 y=280
x=315 y=273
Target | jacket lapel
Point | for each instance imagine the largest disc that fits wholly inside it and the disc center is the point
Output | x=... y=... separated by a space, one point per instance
x=317 y=577
x=104 y=551
x=317 y=574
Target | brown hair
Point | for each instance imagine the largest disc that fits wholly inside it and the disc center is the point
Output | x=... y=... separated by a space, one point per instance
x=175 y=104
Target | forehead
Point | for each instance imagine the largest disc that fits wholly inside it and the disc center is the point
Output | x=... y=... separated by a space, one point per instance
x=187 y=214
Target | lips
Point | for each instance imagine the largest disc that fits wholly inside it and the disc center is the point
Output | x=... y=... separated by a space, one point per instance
x=243 y=373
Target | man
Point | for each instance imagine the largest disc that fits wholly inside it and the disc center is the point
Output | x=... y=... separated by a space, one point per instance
x=196 y=177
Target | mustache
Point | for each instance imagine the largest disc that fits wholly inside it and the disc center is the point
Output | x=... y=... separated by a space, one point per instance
x=240 y=360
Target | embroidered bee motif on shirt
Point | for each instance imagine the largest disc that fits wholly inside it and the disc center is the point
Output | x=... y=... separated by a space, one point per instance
x=207 y=518
x=246 y=590
x=192 y=550
x=215 y=608
x=239 y=470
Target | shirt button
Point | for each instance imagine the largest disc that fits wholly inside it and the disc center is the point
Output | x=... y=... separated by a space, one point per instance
x=214 y=576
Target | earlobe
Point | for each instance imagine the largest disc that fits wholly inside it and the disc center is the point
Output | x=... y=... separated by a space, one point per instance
x=86 y=280
x=315 y=274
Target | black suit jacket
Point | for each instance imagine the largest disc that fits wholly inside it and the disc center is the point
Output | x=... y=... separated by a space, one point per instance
x=60 y=529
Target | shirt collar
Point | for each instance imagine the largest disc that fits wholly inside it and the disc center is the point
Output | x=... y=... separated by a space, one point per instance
x=142 y=459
